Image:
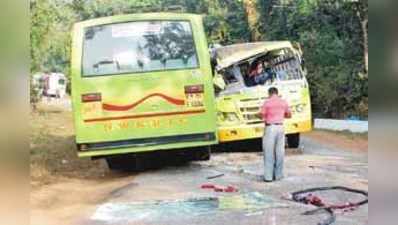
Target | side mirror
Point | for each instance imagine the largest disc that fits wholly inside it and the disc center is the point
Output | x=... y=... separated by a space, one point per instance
x=219 y=82
x=297 y=46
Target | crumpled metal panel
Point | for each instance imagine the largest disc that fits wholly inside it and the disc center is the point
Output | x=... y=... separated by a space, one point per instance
x=232 y=54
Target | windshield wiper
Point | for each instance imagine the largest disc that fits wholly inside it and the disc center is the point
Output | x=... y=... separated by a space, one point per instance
x=140 y=64
x=106 y=62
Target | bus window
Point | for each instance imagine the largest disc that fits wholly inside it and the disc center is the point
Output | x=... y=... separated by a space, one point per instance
x=138 y=47
x=61 y=81
x=287 y=67
x=279 y=64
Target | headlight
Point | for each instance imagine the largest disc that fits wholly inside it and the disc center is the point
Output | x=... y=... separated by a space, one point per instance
x=228 y=116
x=231 y=117
x=299 y=108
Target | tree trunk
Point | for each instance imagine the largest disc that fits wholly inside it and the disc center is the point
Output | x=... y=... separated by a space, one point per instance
x=362 y=14
x=252 y=18
x=364 y=25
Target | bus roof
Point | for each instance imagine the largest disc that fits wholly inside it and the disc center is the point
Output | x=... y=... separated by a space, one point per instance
x=136 y=17
x=229 y=55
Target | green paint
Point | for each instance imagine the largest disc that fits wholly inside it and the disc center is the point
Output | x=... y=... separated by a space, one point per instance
x=127 y=88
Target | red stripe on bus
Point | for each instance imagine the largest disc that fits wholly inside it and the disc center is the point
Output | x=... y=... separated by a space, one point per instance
x=144 y=116
x=110 y=107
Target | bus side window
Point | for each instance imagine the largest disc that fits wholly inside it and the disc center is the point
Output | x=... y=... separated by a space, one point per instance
x=229 y=77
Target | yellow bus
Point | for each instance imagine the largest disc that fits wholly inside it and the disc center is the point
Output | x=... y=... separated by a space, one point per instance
x=244 y=73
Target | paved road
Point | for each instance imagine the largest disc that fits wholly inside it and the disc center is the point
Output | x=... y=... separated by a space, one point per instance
x=173 y=195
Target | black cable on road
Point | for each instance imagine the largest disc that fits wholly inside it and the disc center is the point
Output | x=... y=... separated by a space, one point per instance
x=306 y=197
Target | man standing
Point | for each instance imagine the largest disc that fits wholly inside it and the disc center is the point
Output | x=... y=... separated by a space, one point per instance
x=274 y=111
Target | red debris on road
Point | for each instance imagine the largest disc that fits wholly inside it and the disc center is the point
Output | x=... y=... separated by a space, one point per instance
x=230 y=189
x=207 y=186
x=217 y=188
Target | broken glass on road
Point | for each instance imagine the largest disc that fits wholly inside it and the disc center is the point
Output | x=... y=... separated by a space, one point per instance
x=251 y=202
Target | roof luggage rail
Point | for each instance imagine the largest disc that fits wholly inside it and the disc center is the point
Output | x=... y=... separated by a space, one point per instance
x=146 y=9
x=175 y=8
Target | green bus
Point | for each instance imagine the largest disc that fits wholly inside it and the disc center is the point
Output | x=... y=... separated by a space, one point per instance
x=142 y=83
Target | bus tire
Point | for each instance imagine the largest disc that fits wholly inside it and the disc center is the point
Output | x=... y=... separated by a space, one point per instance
x=293 y=140
x=123 y=163
x=203 y=154
x=113 y=164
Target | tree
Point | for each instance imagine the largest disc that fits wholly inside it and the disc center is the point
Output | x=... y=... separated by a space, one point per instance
x=51 y=22
x=329 y=31
x=252 y=18
x=361 y=9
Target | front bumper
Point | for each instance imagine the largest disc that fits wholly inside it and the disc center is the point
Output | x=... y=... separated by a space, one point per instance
x=243 y=132
x=148 y=144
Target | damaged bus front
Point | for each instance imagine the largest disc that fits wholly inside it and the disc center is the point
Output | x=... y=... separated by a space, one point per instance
x=244 y=73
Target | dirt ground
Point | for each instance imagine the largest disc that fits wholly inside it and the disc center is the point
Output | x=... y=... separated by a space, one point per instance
x=69 y=190
x=341 y=140
x=52 y=150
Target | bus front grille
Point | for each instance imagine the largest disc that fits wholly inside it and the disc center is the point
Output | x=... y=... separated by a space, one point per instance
x=249 y=109
x=252 y=118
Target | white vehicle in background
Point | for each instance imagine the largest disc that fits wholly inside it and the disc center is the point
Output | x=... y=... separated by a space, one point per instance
x=55 y=85
x=50 y=84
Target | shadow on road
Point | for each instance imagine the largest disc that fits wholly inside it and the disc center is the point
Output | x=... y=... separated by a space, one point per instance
x=252 y=145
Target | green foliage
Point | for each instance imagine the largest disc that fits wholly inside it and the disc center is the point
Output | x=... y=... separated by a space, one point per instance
x=331 y=37
x=51 y=23
x=50 y=35
x=328 y=30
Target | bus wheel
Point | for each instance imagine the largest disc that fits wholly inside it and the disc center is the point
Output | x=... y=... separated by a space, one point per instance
x=293 y=140
x=123 y=163
x=202 y=154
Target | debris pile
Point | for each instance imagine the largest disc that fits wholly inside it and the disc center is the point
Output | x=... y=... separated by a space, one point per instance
x=218 y=188
x=309 y=198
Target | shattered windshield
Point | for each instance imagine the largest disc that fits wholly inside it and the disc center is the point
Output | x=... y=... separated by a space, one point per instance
x=282 y=65
x=138 y=47
x=287 y=67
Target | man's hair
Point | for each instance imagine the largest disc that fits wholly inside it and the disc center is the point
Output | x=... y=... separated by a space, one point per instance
x=272 y=91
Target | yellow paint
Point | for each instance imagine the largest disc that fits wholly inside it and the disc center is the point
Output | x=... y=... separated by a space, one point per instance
x=242 y=132
x=91 y=109
x=144 y=124
x=232 y=202
x=195 y=100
